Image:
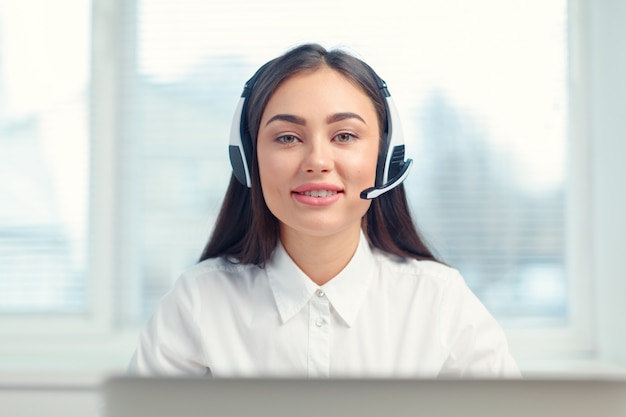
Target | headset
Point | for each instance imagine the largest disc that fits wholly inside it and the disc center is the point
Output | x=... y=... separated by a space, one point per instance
x=391 y=169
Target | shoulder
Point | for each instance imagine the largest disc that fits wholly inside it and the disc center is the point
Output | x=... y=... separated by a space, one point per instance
x=218 y=269
x=416 y=270
x=432 y=283
x=213 y=275
x=429 y=283
x=218 y=266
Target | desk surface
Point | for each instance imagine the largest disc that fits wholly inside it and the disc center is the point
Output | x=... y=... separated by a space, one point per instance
x=160 y=397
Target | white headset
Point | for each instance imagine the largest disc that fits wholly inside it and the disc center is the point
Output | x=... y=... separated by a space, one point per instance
x=391 y=170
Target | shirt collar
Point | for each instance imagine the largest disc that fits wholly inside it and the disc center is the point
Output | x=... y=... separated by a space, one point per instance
x=346 y=291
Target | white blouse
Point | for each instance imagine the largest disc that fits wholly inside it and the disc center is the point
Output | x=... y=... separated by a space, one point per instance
x=382 y=316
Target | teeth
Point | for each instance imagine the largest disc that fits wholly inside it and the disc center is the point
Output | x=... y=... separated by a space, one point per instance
x=319 y=193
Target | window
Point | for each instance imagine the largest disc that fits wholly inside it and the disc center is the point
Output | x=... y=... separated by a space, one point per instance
x=114 y=172
x=44 y=145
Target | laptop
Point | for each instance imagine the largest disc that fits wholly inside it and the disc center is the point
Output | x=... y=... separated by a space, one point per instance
x=127 y=396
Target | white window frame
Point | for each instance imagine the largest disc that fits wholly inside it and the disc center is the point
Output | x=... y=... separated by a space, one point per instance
x=594 y=340
x=596 y=206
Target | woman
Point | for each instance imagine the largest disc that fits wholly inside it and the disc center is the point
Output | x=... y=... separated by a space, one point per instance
x=315 y=267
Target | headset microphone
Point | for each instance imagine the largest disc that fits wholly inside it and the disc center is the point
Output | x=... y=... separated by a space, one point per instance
x=373 y=192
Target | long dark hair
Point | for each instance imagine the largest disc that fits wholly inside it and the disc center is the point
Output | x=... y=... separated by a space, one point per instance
x=247 y=232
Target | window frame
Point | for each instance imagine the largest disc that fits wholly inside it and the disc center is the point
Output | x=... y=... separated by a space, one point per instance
x=575 y=340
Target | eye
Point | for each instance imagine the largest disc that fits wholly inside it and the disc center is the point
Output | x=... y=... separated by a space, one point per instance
x=287 y=139
x=344 y=137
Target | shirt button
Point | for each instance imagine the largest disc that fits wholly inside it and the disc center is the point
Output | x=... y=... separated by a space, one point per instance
x=320 y=322
x=320 y=293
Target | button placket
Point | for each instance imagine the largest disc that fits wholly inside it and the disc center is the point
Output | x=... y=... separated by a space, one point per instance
x=319 y=335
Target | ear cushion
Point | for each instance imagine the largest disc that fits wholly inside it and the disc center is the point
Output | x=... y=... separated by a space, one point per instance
x=240 y=146
x=239 y=156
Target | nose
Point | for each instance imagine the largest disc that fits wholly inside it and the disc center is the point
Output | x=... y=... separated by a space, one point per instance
x=318 y=157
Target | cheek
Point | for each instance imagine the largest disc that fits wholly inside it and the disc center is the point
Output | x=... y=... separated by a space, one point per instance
x=273 y=171
x=363 y=166
x=265 y=163
x=267 y=176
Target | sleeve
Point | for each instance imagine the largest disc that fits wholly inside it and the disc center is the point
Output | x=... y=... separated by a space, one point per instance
x=476 y=344
x=170 y=343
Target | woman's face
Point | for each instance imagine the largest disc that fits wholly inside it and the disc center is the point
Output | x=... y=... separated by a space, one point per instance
x=317 y=149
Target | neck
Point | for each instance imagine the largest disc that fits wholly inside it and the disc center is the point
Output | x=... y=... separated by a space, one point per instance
x=320 y=257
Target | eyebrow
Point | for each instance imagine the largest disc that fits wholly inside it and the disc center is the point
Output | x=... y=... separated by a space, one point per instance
x=337 y=117
x=287 y=118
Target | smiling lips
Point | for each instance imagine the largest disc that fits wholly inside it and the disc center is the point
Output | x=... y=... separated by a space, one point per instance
x=317 y=194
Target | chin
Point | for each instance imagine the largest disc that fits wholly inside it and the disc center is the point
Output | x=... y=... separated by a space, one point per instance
x=324 y=229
